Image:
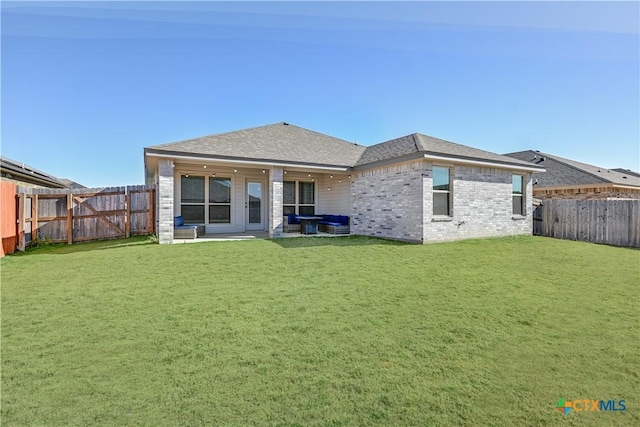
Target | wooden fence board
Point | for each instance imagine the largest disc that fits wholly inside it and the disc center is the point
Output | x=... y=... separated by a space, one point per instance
x=612 y=222
x=80 y=215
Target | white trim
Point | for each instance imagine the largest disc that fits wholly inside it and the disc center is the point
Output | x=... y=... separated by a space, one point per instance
x=246 y=162
x=482 y=163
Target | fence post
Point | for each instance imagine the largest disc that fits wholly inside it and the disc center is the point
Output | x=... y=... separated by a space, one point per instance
x=151 y=197
x=34 y=217
x=69 y=218
x=21 y=237
x=127 y=216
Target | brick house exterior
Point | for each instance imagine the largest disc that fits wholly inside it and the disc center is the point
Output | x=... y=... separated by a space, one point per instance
x=415 y=188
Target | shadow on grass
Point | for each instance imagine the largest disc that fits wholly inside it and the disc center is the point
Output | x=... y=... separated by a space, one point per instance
x=342 y=241
x=63 y=248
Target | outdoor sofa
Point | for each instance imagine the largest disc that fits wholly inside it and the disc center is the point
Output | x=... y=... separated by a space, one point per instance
x=334 y=224
x=186 y=231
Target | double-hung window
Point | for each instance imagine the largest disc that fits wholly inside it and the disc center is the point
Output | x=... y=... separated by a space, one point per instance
x=441 y=191
x=196 y=208
x=192 y=199
x=299 y=198
x=219 y=200
x=517 y=193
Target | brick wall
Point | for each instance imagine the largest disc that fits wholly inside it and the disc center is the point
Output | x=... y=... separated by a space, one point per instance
x=387 y=202
x=274 y=216
x=397 y=202
x=482 y=205
x=165 y=201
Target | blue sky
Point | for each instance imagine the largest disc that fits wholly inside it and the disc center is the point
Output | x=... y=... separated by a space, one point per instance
x=87 y=85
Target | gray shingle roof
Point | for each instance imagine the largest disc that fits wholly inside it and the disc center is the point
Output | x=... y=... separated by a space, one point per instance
x=276 y=142
x=563 y=172
x=292 y=144
x=419 y=143
x=626 y=172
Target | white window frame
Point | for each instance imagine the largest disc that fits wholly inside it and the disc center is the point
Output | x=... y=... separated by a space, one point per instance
x=449 y=191
x=523 y=206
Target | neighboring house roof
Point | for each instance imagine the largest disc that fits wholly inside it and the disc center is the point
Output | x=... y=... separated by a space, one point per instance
x=627 y=172
x=71 y=184
x=287 y=143
x=276 y=142
x=21 y=172
x=422 y=144
x=566 y=172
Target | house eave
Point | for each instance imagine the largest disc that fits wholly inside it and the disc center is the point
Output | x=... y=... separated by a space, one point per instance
x=240 y=161
x=485 y=163
x=448 y=159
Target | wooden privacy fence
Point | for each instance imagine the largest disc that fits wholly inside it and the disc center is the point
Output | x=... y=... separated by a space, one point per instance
x=85 y=214
x=613 y=222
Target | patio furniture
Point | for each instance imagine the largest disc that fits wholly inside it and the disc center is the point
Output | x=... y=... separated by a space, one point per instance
x=291 y=223
x=309 y=224
x=334 y=224
x=186 y=231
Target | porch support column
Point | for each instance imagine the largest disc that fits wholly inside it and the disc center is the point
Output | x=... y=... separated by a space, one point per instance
x=165 y=201
x=276 y=185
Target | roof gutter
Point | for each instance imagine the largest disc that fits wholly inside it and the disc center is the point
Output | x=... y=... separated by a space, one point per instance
x=256 y=163
x=484 y=163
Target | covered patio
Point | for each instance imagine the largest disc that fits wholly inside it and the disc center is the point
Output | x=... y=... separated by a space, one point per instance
x=247 y=235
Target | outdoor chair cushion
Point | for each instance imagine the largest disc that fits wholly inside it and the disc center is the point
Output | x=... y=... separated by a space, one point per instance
x=178 y=221
x=293 y=219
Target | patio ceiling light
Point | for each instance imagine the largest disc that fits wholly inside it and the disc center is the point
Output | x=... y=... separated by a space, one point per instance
x=205 y=166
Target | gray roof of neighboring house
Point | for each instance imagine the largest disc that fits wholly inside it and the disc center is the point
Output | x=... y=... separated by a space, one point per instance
x=627 y=172
x=419 y=143
x=71 y=184
x=19 y=171
x=288 y=143
x=565 y=172
x=277 y=142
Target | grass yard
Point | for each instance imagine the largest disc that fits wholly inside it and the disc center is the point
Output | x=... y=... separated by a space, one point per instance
x=320 y=331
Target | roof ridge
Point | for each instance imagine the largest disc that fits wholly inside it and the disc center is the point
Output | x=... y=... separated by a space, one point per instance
x=415 y=140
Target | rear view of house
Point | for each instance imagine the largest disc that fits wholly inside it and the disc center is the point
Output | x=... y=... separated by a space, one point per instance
x=415 y=188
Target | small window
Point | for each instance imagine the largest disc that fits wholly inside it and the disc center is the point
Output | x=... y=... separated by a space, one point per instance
x=517 y=193
x=441 y=191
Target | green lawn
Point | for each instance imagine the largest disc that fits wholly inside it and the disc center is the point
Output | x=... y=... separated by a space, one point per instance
x=319 y=331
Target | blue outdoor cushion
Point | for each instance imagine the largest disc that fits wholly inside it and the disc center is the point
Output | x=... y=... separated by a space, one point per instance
x=293 y=219
x=178 y=221
x=344 y=220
